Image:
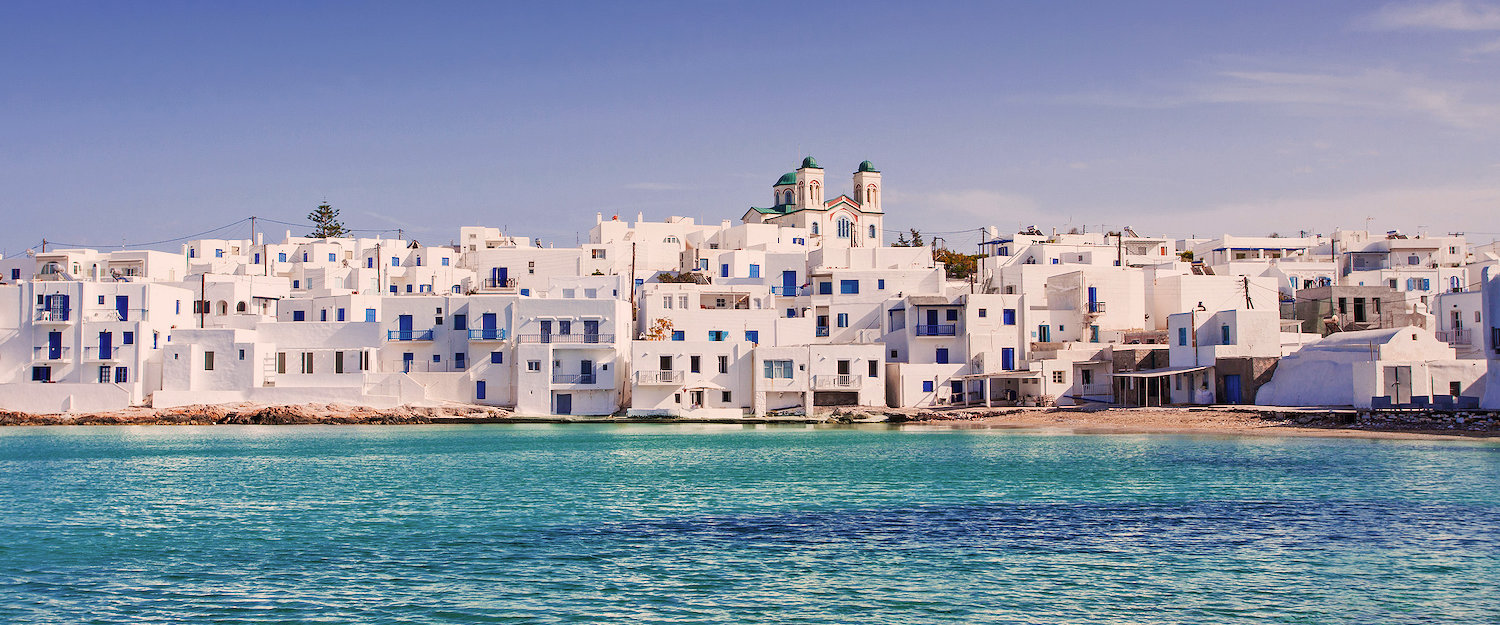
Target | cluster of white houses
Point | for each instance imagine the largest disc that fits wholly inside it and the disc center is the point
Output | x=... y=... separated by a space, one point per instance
x=800 y=305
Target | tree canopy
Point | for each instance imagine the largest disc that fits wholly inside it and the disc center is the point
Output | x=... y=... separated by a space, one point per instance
x=326 y=224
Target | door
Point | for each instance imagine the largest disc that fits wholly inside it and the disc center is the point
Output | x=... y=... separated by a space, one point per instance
x=406 y=360
x=564 y=403
x=585 y=372
x=498 y=277
x=54 y=345
x=403 y=325
x=788 y=283
x=122 y=307
x=1093 y=298
x=1232 y=389
x=942 y=355
x=106 y=345
x=1008 y=359
x=956 y=389
x=843 y=367
x=932 y=321
x=546 y=331
x=1044 y=334
x=695 y=398
x=479 y=389
x=487 y=322
x=1398 y=385
x=591 y=331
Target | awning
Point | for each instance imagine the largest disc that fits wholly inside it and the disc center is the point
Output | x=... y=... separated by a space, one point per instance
x=1154 y=373
x=1003 y=374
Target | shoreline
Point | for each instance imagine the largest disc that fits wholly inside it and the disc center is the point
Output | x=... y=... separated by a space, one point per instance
x=1181 y=421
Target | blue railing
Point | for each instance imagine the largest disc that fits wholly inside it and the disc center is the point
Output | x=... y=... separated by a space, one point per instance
x=487 y=334
x=408 y=335
x=940 y=329
x=822 y=330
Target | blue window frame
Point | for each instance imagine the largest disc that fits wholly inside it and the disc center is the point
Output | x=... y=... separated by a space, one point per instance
x=445 y=261
x=849 y=287
x=479 y=389
x=723 y=271
x=257 y=258
x=281 y=257
x=121 y=375
x=679 y=335
x=460 y=360
x=952 y=314
x=394 y=290
x=926 y=386
x=942 y=356
x=370 y=263
x=825 y=288
x=754 y=271
x=1224 y=335
x=299 y=315
x=880 y=284
x=1182 y=336
x=843 y=320
x=341 y=314
x=437 y=357
x=497 y=358
x=752 y=336
x=717 y=335
x=332 y=257
x=525 y=292
x=791 y=312
x=323 y=315
x=370 y=314
x=395 y=261
x=127 y=338
x=304 y=257
x=296 y=284
x=460 y=322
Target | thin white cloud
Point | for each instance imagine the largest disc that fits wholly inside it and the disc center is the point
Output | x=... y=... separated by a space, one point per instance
x=1380 y=91
x=1450 y=15
x=967 y=207
x=1488 y=47
x=1439 y=208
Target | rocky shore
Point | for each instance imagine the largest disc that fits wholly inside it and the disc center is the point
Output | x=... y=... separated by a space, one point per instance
x=1220 y=420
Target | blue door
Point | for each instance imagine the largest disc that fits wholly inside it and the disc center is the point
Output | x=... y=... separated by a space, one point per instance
x=54 y=345
x=106 y=345
x=564 y=403
x=788 y=283
x=586 y=372
x=546 y=331
x=1232 y=389
x=122 y=307
x=487 y=322
x=403 y=325
x=1008 y=359
x=406 y=360
x=1043 y=334
x=942 y=355
x=591 y=331
x=932 y=318
x=499 y=276
x=479 y=389
x=1093 y=298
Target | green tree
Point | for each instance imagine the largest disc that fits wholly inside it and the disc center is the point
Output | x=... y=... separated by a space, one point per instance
x=958 y=266
x=326 y=222
x=914 y=241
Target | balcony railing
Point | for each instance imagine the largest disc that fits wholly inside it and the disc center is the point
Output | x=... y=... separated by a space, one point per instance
x=822 y=331
x=1096 y=307
x=52 y=315
x=492 y=283
x=94 y=353
x=1461 y=336
x=409 y=335
x=837 y=381
x=573 y=378
x=486 y=334
x=566 y=338
x=650 y=378
x=129 y=314
x=49 y=353
x=937 y=329
x=788 y=292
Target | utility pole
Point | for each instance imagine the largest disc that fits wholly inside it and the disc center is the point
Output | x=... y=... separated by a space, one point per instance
x=44 y=246
x=202 y=297
x=1245 y=282
x=632 y=281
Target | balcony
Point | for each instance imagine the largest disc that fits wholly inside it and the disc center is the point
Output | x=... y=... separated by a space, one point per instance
x=573 y=378
x=487 y=334
x=658 y=378
x=1096 y=307
x=789 y=292
x=129 y=314
x=1461 y=336
x=937 y=329
x=822 y=331
x=823 y=382
x=51 y=315
x=50 y=353
x=95 y=354
x=408 y=335
x=492 y=283
x=566 y=338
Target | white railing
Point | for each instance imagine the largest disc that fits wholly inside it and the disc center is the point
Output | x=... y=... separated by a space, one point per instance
x=647 y=378
x=837 y=381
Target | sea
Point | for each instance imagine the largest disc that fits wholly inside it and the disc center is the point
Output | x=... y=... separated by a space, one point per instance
x=651 y=523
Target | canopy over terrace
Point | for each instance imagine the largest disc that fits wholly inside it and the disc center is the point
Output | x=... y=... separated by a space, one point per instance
x=1008 y=388
x=1151 y=387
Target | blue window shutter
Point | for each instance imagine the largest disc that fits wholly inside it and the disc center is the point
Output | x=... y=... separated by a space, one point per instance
x=926 y=386
x=1008 y=316
x=370 y=314
x=1182 y=336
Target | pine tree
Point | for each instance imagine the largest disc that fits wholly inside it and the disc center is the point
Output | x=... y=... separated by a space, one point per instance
x=326 y=222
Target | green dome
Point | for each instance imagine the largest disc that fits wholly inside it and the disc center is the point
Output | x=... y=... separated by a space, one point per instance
x=786 y=178
x=810 y=163
x=869 y=167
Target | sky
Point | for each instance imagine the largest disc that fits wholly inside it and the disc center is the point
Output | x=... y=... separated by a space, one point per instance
x=128 y=123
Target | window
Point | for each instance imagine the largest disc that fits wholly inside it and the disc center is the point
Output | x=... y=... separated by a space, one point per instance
x=460 y=360
x=723 y=364
x=723 y=271
x=953 y=314
x=395 y=261
x=725 y=396
x=338 y=362
x=679 y=335
x=104 y=374
x=461 y=322
x=370 y=315
x=127 y=338
x=1008 y=316
x=983 y=313
x=307 y=362
x=872 y=231
x=778 y=369
x=718 y=335
x=1182 y=336
x=281 y=257
x=843 y=320
x=41 y=374
x=845 y=228
x=825 y=288
x=1224 y=335
x=280 y=362
x=370 y=263
x=815 y=228
x=791 y=313
x=323 y=315
x=101 y=300
x=15 y=274
x=942 y=356
x=242 y=354
x=121 y=375
x=208 y=361
x=497 y=358
x=754 y=271
x=874 y=368
x=752 y=336
x=849 y=287
x=880 y=284
x=1413 y=260
x=445 y=261
x=296 y=284
x=926 y=386
x=693 y=364
x=299 y=315
x=332 y=257
x=1059 y=376
x=533 y=365
x=666 y=302
x=340 y=314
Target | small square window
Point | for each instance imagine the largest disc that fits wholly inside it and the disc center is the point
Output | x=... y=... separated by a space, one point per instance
x=533 y=365
x=984 y=312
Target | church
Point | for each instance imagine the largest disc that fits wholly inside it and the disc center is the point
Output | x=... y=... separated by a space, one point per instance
x=798 y=202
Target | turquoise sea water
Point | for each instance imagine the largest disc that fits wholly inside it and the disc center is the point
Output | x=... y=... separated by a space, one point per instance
x=731 y=524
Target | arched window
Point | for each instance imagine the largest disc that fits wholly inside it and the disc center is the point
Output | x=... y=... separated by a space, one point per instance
x=872 y=231
x=1455 y=283
x=223 y=307
x=815 y=227
x=846 y=228
x=240 y=307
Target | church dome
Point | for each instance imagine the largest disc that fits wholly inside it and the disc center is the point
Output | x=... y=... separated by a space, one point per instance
x=810 y=163
x=869 y=167
x=786 y=178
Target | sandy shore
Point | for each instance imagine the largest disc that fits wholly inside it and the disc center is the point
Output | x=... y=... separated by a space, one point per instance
x=1226 y=421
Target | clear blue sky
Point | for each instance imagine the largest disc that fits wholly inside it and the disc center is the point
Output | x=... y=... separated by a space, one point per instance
x=147 y=120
